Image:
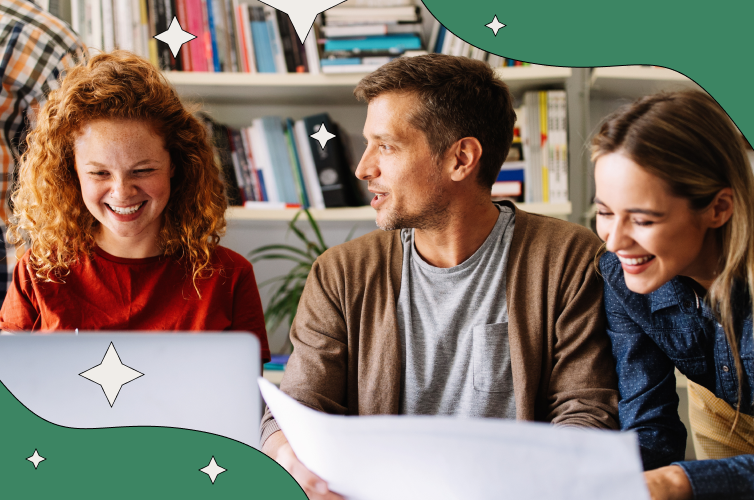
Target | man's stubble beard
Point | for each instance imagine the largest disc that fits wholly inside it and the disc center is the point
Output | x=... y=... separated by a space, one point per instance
x=432 y=216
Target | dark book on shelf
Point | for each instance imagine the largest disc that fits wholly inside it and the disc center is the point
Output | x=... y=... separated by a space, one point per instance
x=333 y=172
x=221 y=147
x=291 y=44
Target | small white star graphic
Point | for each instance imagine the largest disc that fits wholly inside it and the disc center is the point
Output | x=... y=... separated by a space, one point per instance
x=111 y=374
x=213 y=470
x=36 y=458
x=175 y=37
x=495 y=25
x=322 y=136
x=302 y=13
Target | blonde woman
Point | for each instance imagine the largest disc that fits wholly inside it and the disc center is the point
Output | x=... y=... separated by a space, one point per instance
x=675 y=199
x=122 y=204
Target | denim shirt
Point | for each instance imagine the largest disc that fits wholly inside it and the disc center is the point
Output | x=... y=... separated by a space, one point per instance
x=673 y=327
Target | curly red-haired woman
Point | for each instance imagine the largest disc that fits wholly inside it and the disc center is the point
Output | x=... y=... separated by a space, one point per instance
x=122 y=205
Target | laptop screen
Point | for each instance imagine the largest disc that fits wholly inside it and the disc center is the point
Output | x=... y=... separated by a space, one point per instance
x=199 y=381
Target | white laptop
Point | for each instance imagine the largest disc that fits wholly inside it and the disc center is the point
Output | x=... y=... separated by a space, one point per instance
x=199 y=381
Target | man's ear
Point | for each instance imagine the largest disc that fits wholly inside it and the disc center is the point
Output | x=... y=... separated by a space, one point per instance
x=721 y=208
x=466 y=155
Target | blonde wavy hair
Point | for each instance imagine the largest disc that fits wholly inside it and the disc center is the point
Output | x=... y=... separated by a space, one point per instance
x=48 y=208
x=688 y=141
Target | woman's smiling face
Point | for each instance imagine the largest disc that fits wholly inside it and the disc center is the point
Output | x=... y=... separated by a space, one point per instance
x=655 y=234
x=124 y=171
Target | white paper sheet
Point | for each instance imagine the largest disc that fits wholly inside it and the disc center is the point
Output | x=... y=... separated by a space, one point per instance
x=402 y=457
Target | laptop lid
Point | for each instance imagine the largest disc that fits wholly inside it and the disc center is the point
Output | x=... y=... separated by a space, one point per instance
x=198 y=381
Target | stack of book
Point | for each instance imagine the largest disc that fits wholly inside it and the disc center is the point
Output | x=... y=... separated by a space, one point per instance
x=231 y=35
x=360 y=38
x=275 y=163
x=443 y=41
x=543 y=123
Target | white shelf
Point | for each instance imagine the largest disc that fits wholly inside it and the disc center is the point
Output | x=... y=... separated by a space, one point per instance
x=522 y=78
x=305 y=88
x=266 y=88
x=636 y=81
x=365 y=213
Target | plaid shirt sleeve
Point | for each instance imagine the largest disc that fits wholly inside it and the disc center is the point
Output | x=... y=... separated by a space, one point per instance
x=35 y=50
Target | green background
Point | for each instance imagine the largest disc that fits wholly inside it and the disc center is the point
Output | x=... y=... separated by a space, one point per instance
x=709 y=42
x=129 y=462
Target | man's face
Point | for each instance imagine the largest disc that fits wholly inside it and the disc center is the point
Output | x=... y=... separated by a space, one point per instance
x=411 y=189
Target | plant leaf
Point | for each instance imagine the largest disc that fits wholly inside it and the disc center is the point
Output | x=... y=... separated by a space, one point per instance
x=266 y=248
x=315 y=226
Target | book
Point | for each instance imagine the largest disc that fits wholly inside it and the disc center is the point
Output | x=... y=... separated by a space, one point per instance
x=296 y=164
x=281 y=166
x=263 y=161
x=222 y=151
x=342 y=13
x=276 y=43
x=195 y=26
x=246 y=49
x=308 y=168
x=393 y=43
x=262 y=47
x=185 y=52
x=333 y=171
x=212 y=27
x=123 y=24
x=353 y=64
x=312 y=52
x=232 y=35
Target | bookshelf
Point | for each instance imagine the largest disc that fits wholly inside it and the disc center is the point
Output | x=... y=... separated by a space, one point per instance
x=366 y=213
x=303 y=88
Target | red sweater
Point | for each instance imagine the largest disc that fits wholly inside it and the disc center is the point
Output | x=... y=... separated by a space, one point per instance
x=105 y=292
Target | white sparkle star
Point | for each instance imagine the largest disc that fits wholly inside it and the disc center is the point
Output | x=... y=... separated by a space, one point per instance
x=36 y=458
x=495 y=25
x=302 y=12
x=322 y=136
x=111 y=374
x=175 y=37
x=213 y=470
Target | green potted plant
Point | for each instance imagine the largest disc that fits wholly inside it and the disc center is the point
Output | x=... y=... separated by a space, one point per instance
x=288 y=289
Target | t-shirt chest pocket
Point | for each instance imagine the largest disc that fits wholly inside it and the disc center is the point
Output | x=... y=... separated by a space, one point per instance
x=491 y=358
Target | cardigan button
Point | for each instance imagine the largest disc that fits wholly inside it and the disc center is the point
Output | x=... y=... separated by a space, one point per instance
x=725 y=369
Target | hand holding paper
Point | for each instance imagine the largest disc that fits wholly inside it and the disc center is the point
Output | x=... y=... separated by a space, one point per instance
x=373 y=458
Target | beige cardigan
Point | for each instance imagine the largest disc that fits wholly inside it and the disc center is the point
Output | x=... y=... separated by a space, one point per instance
x=346 y=358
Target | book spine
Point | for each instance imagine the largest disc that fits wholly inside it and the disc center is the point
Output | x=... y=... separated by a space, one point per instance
x=307 y=165
x=263 y=51
x=233 y=35
x=261 y=150
x=198 y=53
x=298 y=175
x=96 y=40
x=185 y=53
x=141 y=29
x=213 y=34
x=276 y=44
x=312 y=52
x=248 y=40
x=256 y=174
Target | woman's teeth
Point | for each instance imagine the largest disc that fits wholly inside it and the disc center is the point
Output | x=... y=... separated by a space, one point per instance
x=126 y=210
x=636 y=262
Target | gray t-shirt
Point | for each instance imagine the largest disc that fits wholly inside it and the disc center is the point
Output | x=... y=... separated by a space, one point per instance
x=453 y=326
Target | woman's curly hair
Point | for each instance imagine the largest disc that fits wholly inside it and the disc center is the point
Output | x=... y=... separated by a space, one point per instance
x=48 y=208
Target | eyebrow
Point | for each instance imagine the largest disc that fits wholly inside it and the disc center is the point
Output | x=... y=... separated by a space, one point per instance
x=382 y=137
x=642 y=211
x=138 y=163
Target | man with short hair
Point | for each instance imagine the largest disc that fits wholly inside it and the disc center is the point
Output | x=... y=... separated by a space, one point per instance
x=460 y=306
